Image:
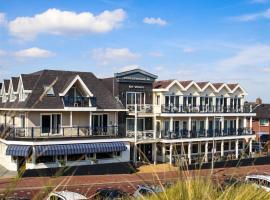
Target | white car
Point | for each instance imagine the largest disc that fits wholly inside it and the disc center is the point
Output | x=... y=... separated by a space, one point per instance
x=65 y=195
x=262 y=181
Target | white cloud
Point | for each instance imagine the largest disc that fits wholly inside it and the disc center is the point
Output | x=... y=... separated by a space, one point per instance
x=57 y=22
x=33 y=52
x=2 y=19
x=184 y=72
x=257 y=55
x=157 y=21
x=253 y=16
x=129 y=67
x=189 y=50
x=106 y=55
x=266 y=69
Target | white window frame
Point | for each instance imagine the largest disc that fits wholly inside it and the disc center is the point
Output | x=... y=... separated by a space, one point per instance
x=50 y=133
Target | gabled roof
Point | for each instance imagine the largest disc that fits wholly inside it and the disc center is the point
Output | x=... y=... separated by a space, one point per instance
x=58 y=80
x=6 y=84
x=185 y=83
x=135 y=71
x=202 y=84
x=29 y=81
x=217 y=85
x=232 y=85
x=162 y=84
x=15 y=82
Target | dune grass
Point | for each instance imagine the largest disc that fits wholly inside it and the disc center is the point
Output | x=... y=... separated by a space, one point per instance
x=205 y=189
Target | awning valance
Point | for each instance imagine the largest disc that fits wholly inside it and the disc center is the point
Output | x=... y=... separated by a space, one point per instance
x=19 y=150
x=71 y=149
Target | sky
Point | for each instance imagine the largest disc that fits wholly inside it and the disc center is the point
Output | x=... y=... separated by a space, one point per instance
x=208 y=40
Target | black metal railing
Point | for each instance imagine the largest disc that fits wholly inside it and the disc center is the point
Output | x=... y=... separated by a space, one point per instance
x=142 y=108
x=59 y=132
x=79 y=101
x=178 y=108
x=202 y=133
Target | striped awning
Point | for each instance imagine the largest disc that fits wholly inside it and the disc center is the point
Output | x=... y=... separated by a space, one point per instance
x=19 y=150
x=71 y=149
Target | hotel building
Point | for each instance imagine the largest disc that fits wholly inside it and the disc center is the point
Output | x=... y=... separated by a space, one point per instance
x=53 y=119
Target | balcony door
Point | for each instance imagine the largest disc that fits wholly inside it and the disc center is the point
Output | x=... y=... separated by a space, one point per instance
x=51 y=124
x=172 y=100
x=100 y=123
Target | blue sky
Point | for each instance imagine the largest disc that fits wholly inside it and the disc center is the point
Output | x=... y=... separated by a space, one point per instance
x=218 y=41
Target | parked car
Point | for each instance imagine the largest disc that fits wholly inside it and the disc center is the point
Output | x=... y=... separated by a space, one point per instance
x=109 y=194
x=143 y=190
x=65 y=195
x=262 y=181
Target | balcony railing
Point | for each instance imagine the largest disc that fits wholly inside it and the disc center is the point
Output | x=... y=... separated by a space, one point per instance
x=202 y=133
x=141 y=108
x=61 y=132
x=79 y=101
x=177 y=108
x=147 y=134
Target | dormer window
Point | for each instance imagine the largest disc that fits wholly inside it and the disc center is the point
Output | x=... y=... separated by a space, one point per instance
x=49 y=91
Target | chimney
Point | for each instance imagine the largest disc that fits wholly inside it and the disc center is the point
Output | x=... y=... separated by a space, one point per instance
x=258 y=101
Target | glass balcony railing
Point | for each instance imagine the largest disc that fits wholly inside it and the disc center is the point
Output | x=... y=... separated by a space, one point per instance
x=177 y=108
x=79 y=101
x=11 y=133
x=202 y=133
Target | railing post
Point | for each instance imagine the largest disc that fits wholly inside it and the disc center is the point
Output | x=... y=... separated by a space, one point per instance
x=78 y=131
x=32 y=132
x=63 y=131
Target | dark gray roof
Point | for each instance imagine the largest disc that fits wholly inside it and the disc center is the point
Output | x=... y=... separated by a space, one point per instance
x=262 y=111
x=6 y=84
x=60 y=80
x=135 y=71
x=15 y=82
x=29 y=80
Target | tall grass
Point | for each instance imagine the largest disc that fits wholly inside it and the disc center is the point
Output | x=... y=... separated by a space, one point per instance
x=205 y=189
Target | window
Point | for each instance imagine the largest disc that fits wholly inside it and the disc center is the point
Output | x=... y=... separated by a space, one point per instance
x=76 y=157
x=45 y=159
x=90 y=155
x=131 y=124
x=117 y=154
x=264 y=122
x=49 y=91
x=158 y=100
x=104 y=155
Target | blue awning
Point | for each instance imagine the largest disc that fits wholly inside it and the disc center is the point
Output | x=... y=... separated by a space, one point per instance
x=71 y=149
x=19 y=150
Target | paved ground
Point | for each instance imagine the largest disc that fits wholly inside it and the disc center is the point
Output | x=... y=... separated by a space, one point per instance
x=36 y=187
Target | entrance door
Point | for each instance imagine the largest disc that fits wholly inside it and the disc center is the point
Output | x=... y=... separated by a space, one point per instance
x=145 y=152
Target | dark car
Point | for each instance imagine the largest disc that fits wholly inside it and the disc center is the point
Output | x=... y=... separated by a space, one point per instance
x=109 y=194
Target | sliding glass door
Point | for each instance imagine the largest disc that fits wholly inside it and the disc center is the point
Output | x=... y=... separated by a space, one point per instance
x=51 y=123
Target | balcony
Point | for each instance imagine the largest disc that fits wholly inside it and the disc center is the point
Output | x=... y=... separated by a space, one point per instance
x=39 y=133
x=184 y=133
x=79 y=101
x=177 y=108
x=141 y=108
x=142 y=135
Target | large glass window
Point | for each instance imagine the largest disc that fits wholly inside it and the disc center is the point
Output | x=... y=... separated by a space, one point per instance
x=51 y=123
x=100 y=123
x=76 y=157
x=131 y=124
x=135 y=98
